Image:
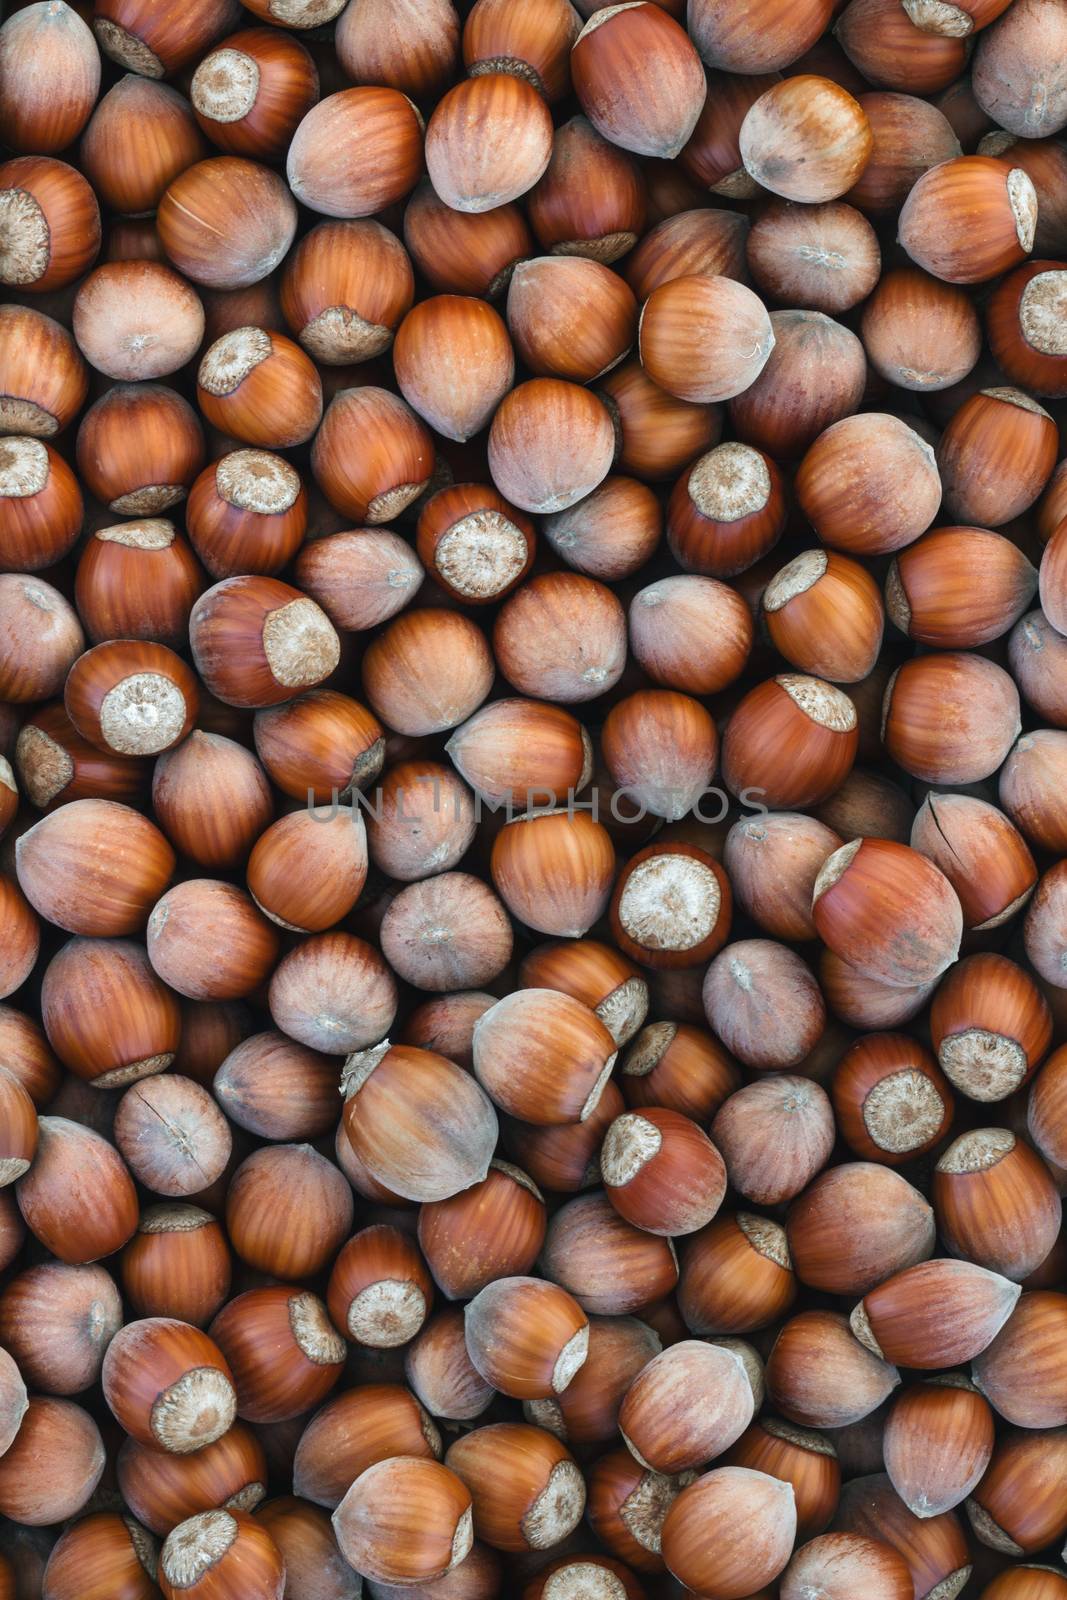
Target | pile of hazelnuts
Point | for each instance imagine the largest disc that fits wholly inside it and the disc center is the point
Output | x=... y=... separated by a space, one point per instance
x=533 y=783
